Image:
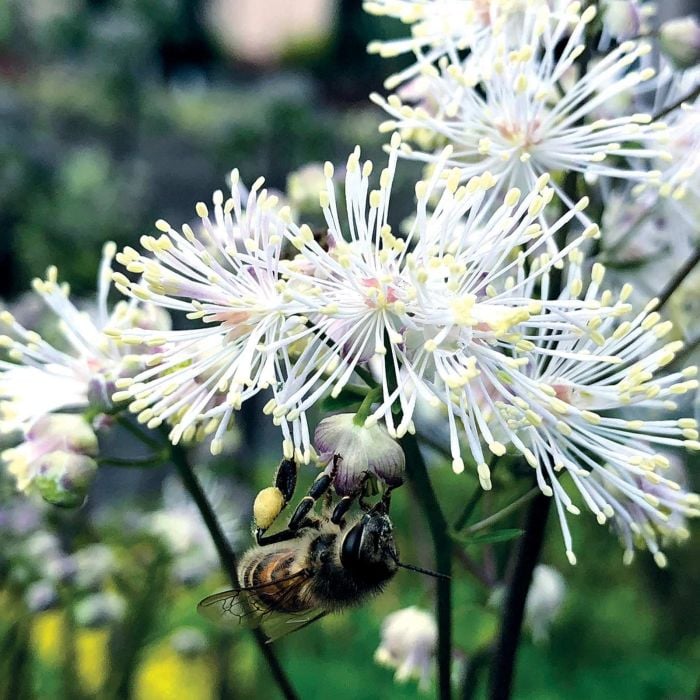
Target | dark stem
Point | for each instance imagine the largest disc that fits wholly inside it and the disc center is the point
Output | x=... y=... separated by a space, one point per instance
x=228 y=558
x=502 y=668
x=678 y=279
x=475 y=666
x=419 y=482
x=688 y=98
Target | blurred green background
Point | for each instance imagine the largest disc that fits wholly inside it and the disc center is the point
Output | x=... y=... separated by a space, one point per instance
x=114 y=113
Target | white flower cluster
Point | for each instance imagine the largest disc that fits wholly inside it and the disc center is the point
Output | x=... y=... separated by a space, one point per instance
x=486 y=308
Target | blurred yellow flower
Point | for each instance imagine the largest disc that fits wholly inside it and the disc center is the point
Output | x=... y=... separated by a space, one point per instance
x=92 y=658
x=167 y=675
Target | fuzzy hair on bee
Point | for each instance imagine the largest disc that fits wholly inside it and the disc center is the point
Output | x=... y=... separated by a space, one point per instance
x=319 y=564
x=326 y=568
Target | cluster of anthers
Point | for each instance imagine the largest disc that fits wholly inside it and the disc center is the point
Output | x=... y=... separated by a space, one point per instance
x=480 y=309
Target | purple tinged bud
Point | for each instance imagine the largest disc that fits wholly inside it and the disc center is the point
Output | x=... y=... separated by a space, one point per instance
x=363 y=449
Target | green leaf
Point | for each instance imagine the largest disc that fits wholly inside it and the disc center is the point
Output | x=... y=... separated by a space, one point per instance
x=487 y=537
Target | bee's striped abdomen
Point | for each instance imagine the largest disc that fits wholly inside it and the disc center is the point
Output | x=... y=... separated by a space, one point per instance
x=271 y=576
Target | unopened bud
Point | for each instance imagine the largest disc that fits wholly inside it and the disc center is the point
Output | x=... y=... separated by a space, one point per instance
x=63 y=478
x=680 y=40
x=622 y=19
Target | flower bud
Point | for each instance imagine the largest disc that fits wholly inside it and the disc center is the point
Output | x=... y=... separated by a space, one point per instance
x=544 y=601
x=363 y=449
x=680 y=40
x=304 y=185
x=64 y=477
x=622 y=19
x=55 y=432
x=409 y=638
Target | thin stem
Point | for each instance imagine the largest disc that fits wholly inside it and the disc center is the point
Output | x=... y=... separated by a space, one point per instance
x=678 y=279
x=476 y=664
x=228 y=558
x=502 y=668
x=469 y=508
x=442 y=544
x=365 y=376
x=499 y=515
x=366 y=406
x=667 y=110
x=152 y=461
x=145 y=437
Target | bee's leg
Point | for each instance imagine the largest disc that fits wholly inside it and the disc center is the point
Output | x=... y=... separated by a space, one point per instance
x=346 y=502
x=271 y=501
x=286 y=478
x=385 y=502
x=328 y=496
x=300 y=517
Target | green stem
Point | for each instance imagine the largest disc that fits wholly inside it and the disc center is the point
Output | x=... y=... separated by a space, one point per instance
x=678 y=279
x=442 y=544
x=499 y=515
x=366 y=406
x=365 y=376
x=227 y=557
x=420 y=484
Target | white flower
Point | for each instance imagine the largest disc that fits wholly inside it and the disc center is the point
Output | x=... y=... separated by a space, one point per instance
x=426 y=305
x=505 y=109
x=100 y=609
x=228 y=279
x=409 y=639
x=43 y=378
x=363 y=450
x=563 y=409
x=544 y=600
x=446 y=27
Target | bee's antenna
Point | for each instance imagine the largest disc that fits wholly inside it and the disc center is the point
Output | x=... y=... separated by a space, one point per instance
x=420 y=570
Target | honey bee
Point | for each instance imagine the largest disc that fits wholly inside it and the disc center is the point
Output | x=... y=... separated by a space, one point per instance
x=318 y=565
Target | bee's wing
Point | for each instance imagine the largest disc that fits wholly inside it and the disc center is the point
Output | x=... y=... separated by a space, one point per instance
x=240 y=607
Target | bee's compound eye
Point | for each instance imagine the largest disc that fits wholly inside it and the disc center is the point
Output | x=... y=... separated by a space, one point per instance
x=267 y=506
x=350 y=551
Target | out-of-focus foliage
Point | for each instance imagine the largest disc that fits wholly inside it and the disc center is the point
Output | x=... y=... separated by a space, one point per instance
x=114 y=113
x=624 y=632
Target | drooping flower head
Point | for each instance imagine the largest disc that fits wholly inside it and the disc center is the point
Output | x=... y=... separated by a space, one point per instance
x=409 y=640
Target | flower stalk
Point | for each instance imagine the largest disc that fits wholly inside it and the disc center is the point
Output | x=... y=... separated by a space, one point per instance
x=422 y=488
x=503 y=666
x=228 y=559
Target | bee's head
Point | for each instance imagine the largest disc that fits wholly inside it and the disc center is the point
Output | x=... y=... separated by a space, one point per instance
x=369 y=547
